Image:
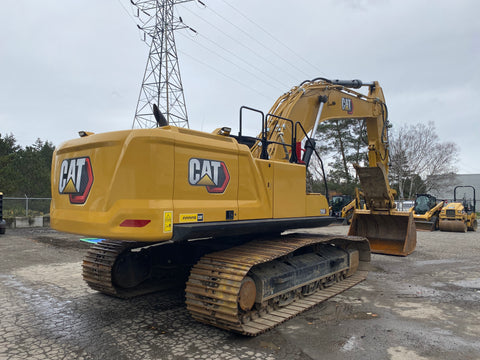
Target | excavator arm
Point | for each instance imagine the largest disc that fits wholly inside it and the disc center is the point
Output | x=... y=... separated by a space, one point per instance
x=296 y=116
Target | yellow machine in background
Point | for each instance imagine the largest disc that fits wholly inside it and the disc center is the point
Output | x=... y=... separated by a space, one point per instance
x=459 y=217
x=357 y=203
x=426 y=212
x=214 y=205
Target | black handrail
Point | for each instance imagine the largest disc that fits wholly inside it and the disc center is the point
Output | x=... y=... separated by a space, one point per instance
x=264 y=153
x=251 y=109
x=265 y=142
x=466 y=186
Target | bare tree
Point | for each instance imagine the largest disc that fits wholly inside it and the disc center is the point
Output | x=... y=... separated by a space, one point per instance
x=417 y=153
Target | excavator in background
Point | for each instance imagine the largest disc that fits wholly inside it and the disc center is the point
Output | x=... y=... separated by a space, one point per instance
x=426 y=212
x=357 y=203
x=338 y=203
x=459 y=216
x=208 y=209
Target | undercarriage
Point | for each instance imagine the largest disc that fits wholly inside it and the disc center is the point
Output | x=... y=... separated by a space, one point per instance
x=248 y=286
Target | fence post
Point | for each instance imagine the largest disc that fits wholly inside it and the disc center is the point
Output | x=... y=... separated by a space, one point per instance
x=26 y=205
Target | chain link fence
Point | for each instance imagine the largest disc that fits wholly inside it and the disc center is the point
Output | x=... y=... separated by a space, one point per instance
x=25 y=206
x=404 y=205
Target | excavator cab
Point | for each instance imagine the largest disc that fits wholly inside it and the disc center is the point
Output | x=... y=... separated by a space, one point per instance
x=389 y=231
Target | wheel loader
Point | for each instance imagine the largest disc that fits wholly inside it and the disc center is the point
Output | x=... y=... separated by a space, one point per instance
x=176 y=205
x=426 y=211
x=459 y=216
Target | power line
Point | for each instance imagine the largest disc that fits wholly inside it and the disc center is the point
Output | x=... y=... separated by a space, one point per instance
x=235 y=64
x=314 y=67
x=236 y=41
x=129 y=14
x=258 y=42
x=223 y=74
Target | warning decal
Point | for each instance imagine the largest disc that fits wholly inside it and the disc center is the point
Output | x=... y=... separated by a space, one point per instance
x=167 y=221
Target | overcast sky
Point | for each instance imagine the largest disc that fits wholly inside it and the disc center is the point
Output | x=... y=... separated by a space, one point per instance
x=71 y=65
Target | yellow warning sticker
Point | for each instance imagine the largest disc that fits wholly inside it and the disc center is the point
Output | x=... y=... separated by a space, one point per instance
x=167 y=221
x=188 y=218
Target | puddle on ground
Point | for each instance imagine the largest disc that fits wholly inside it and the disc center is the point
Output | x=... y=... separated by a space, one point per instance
x=436 y=262
x=332 y=311
x=401 y=353
x=470 y=284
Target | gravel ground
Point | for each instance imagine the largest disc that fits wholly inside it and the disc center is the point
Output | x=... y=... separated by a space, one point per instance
x=424 y=306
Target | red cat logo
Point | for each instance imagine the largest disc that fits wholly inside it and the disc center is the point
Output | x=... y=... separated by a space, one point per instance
x=212 y=174
x=76 y=179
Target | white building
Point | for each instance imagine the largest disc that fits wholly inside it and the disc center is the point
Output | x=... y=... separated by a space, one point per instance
x=446 y=192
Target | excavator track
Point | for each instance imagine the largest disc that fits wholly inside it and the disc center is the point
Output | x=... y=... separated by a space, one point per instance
x=219 y=284
x=98 y=266
x=98 y=263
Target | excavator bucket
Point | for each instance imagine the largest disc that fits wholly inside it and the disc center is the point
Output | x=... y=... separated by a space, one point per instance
x=390 y=234
x=388 y=231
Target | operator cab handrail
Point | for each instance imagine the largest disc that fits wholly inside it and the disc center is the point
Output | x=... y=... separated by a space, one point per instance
x=264 y=142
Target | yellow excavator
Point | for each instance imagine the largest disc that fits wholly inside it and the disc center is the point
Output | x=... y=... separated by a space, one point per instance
x=459 y=216
x=357 y=203
x=426 y=212
x=173 y=204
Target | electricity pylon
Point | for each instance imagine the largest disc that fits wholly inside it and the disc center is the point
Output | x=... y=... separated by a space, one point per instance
x=162 y=84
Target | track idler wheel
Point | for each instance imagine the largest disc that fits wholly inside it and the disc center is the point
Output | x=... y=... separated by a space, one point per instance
x=247 y=294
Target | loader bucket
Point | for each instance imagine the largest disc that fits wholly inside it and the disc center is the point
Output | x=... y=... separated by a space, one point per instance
x=390 y=234
x=453 y=225
x=424 y=225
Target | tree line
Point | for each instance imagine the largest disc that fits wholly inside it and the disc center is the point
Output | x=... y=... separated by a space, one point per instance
x=25 y=170
x=419 y=161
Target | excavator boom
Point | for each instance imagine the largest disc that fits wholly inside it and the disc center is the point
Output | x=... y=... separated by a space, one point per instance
x=389 y=231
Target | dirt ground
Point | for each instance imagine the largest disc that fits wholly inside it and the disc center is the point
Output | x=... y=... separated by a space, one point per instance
x=424 y=306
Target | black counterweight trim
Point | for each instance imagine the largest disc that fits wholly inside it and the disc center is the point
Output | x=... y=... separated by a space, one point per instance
x=183 y=232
